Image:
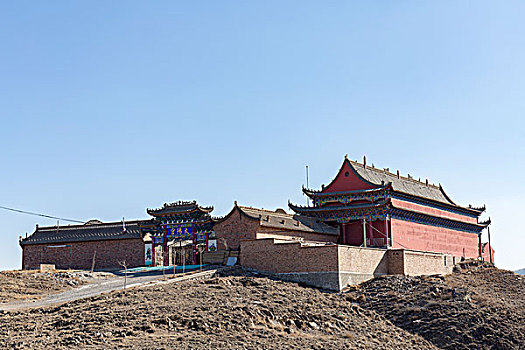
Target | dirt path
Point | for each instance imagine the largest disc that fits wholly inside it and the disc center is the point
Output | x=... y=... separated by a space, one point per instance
x=100 y=287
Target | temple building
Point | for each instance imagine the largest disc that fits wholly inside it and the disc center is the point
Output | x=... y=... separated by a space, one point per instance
x=179 y=233
x=94 y=245
x=376 y=208
x=248 y=223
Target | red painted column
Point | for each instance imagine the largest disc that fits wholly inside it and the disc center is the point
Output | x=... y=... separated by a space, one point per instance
x=153 y=251
x=194 y=245
x=165 y=246
x=386 y=231
x=343 y=229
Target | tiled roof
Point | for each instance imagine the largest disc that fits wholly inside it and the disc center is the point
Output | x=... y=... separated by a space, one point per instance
x=401 y=184
x=283 y=220
x=82 y=233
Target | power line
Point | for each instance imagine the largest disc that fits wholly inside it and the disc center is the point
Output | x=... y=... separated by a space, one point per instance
x=42 y=215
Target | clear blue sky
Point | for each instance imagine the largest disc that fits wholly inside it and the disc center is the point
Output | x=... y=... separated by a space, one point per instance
x=108 y=108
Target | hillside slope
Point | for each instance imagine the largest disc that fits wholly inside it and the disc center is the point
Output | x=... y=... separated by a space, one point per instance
x=236 y=312
x=476 y=307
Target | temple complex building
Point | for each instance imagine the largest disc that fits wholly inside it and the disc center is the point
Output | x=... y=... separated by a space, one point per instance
x=376 y=208
x=94 y=245
x=248 y=223
x=179 y=233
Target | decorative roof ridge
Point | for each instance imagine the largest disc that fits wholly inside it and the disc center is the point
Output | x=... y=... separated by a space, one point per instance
x=262 y=209
x=192 y=205
x=180 y=202
x=387 y=171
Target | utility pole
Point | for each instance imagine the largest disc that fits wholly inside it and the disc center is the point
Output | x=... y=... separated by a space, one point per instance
x=93 y=263
x=490 y=246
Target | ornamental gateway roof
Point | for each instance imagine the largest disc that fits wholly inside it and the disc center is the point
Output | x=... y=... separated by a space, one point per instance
x=180 y=207
x=90 y=231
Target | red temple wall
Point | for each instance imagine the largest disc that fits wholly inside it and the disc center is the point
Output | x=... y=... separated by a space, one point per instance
x=433 y=211
x=416 y=236
x=354 y=232
x=347 y=183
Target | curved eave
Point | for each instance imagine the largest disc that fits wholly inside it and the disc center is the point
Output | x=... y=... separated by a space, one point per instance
x=446 y=196
x=478 y=227
x=477 y=209
x=313 y=193
x=301 y=209
x=474 y=211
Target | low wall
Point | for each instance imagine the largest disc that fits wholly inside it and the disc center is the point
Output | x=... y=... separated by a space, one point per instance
x=219 y=257
x=334 y=266
x=425 y=263
x=357 y=265
x=275 y=256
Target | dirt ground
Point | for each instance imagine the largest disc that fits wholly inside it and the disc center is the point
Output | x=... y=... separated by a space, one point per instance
x=231 y=312
x=476 y=307
x=23 y=285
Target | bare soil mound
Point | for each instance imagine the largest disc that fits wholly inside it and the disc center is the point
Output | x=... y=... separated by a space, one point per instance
x=476 y=307
x=19 y=285
x=234 y=312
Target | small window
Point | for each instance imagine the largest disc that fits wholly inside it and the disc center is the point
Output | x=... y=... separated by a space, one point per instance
x=347 y=174
x=445 y=260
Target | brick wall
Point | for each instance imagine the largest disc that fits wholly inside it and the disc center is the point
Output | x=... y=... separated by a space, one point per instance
x=233 y=229
x=269 y=232
x=286 y=257
x=335 y=266
x=423 y=263
x=396 y=261
x=79 y=255
x=237 y=227
x=362 y=260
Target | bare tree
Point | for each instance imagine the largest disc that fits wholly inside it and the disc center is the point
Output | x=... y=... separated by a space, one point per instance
x=125 y=266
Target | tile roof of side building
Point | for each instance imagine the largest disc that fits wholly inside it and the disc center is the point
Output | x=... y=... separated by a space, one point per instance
x=283 y=220
x=91 y=231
